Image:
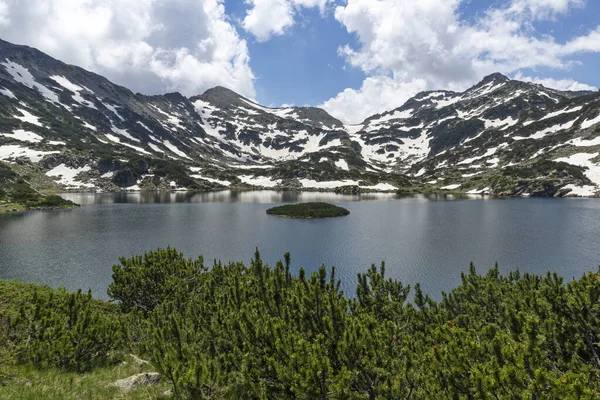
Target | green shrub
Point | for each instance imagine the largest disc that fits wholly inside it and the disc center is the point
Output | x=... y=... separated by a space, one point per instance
x=55 y=201
x=144 y=282
x=64 y=330
x=258 y=332
x=261 y=333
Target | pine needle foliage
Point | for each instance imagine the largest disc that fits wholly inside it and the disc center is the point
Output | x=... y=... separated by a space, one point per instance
x=65 y=331
x=146 y=281
x=258 y=332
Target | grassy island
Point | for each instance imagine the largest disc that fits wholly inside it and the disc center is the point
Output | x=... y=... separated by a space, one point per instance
x=308 y=210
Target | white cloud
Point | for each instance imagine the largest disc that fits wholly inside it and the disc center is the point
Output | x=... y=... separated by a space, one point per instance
x=541 y=9
x=374 y=96
x=267 y=18
x=151 y=46
x=4 y=21
x=582 y=44
x=429 y=40
x=559 y=84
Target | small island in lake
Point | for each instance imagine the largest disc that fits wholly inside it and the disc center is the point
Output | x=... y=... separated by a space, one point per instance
x=308 y=210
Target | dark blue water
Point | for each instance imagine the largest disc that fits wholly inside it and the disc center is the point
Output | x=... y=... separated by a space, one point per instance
x=427 y=240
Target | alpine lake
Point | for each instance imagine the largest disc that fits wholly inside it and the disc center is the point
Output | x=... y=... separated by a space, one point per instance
x=429 y=239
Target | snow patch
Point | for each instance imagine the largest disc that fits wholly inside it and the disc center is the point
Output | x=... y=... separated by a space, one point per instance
x=115 y=139
x=565 y=111
x=264 y=181
x=8 y=93
x=471 y=160
x=479 y=191
x=451 y=187
x=124 y=133
x=582 y=191
x=496 y=123
x=144 y=126
x=15 y=151
x=23 y=136
x=341 y=163
x=155 y=148
x=70 y=86
x=175 y=150
x=113 y=109
x=309 y=183
x=67 y=175
x=590 y=122
x=28 y=117
x=552 y=129
x=420 y=173
x=392 y=116
x=380 y=186
x=584 y=160
x=89 y=126
x=23 y=76
x=579 y=142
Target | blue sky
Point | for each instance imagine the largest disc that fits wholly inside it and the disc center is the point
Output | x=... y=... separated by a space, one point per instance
x=302 y=65
x=354 y=58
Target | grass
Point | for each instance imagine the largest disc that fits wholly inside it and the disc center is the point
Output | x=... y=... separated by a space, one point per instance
x=27 y=383
x=24 y=382
x=9 y=207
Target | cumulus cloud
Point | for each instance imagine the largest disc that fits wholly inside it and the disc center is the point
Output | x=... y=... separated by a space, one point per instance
x=374 y=96
x=428 y=40
x=544 y=8
x=559 y=84
x=151 y=46
x=267 y=18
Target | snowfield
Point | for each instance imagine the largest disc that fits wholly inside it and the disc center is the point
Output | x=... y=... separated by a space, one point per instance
x=451 y=187
x=12 y=152
x=22 y=75
x=590 y=122
x=28 y=117
x=67 y=176
x=342 y=164
x=65 y=83
x=592 y=172
x=259 y=181
x=23 y=136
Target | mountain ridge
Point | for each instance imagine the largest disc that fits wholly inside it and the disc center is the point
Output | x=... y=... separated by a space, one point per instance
x=65 y=128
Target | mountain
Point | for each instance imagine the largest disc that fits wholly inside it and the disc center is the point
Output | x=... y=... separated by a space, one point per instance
x=64 y=128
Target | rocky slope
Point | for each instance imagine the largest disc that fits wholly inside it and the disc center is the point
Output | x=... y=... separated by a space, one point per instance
x=69 y=129
x=16 y=194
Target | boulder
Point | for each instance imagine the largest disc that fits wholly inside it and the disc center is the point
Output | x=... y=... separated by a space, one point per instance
x=124 y=178
x=134 y=381
x=138 y=362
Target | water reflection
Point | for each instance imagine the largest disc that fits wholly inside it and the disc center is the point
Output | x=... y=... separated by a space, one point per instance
x=253 y=196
